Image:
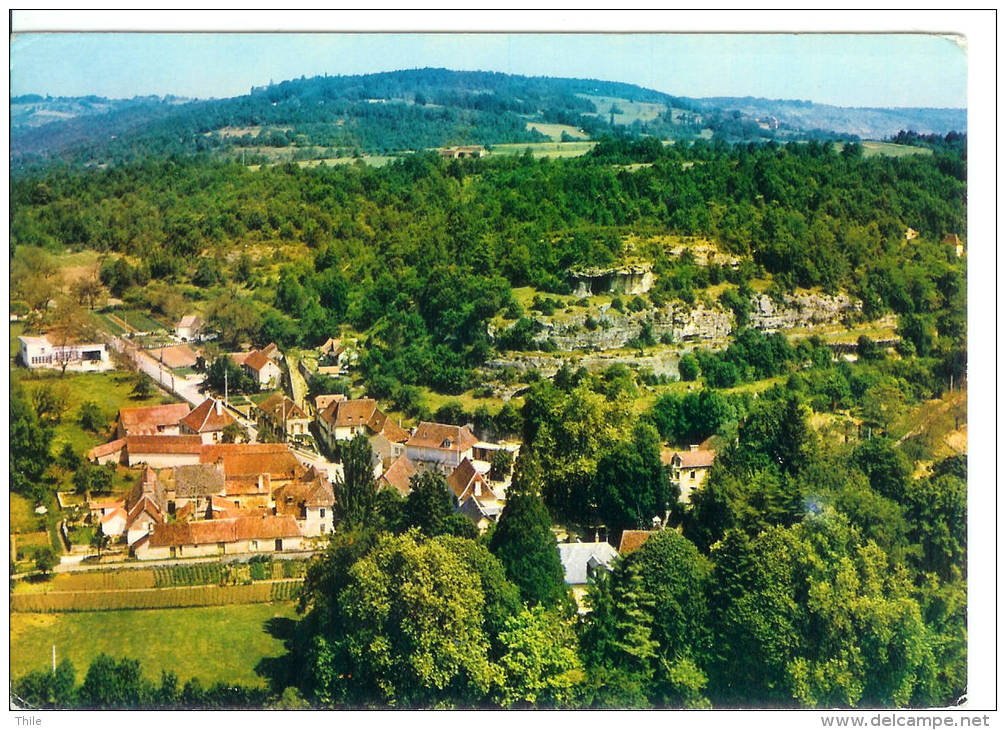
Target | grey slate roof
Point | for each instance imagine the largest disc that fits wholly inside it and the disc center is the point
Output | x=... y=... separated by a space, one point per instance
x=198 y=480
x=577 y=556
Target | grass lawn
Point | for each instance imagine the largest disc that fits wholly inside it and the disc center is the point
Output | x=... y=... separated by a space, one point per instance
x=22 y=515
x=213 y=643
x=111 y=391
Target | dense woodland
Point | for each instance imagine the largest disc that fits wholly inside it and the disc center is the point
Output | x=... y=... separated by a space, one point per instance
x=819 y=566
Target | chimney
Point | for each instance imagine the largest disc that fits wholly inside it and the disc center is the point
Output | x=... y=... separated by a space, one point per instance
x=218 y=406
x=693 y=447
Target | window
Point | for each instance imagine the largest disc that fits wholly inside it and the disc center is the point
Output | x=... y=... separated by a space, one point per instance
x=322 y=512
x=692 y=474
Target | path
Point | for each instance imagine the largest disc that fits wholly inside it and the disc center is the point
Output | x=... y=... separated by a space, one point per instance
x=298 y=386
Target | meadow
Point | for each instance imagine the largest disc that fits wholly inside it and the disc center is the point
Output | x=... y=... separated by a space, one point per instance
x=214 y=643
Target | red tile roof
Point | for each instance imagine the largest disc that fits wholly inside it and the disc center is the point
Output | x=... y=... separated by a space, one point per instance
x=441 y=436
x=321 y=402
x=245 y=461
x=105 y=449
x=256 y=360
x=163 y=444
x=239 y=357
x=633 y=540
x=176 y=356
x=379 y=423
x=210 y=415
x=693 y=459
x=202 y=532
x=463 y=479
x=145 y=421
x=342 y=414
x=398 y=475
x=279 y=406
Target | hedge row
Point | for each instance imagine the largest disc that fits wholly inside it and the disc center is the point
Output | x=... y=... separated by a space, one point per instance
x=174 y=597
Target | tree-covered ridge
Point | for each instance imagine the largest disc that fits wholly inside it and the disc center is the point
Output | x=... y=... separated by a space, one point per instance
x=424 y=251
x=391 y=111
x=416 y=109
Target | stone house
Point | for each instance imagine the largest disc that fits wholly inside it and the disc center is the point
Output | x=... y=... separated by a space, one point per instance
x=162 y=451
x=580 y=562
x=689 y=469
x=343 y=419
x=208 y=421
x=398 y=475
x=440 y=447
x=285 y=416
x=260 y=367
x=473 y=495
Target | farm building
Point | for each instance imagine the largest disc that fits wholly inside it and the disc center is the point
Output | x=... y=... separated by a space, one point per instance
x=175 y=356
x=220 y=537
x=471 y=150
x=161 y=451
x=189 y=328
x=151 y=420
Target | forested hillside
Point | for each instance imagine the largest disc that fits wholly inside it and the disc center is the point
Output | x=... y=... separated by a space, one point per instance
x=399 y=111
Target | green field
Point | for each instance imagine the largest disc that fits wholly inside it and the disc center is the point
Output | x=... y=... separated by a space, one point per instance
x=544 y=149
x=555 y=130
x=631 y=111
x=888 y=149
x=217 y=643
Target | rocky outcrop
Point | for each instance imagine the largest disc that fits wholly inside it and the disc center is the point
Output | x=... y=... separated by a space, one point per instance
x=615 y=329
x=632 y=279
x=679 y=323
x=801 y=310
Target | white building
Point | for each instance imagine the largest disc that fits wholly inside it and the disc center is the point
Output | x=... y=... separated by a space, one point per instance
x=41 y=352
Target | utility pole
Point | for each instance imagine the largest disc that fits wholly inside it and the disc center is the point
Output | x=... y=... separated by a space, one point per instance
x=225 y=386
x=53 y=658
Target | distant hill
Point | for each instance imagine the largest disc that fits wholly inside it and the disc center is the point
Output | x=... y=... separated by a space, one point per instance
x=398 y=111
x=864 y=122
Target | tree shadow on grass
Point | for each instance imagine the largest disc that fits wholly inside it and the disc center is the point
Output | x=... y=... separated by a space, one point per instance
x=279 y=671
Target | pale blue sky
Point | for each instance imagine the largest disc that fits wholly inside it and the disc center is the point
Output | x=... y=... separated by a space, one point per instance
x=847 y=70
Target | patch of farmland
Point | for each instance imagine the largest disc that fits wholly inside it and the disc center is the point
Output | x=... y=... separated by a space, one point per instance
x=544 y=149
x=555 y=131
x=140 y=320
x=627 y=111
x=146 y=598
x=215 y=643
x=888 y=149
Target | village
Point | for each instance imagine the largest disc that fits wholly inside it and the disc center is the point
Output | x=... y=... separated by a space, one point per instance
x=204 y=486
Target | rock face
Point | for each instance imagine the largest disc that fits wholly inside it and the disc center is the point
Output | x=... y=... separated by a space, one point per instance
x=615 y=329
x=632 y=279
x=695 y=324
x=801 y=310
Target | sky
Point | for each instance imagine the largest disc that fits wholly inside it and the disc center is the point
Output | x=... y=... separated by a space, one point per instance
x=886 y=70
